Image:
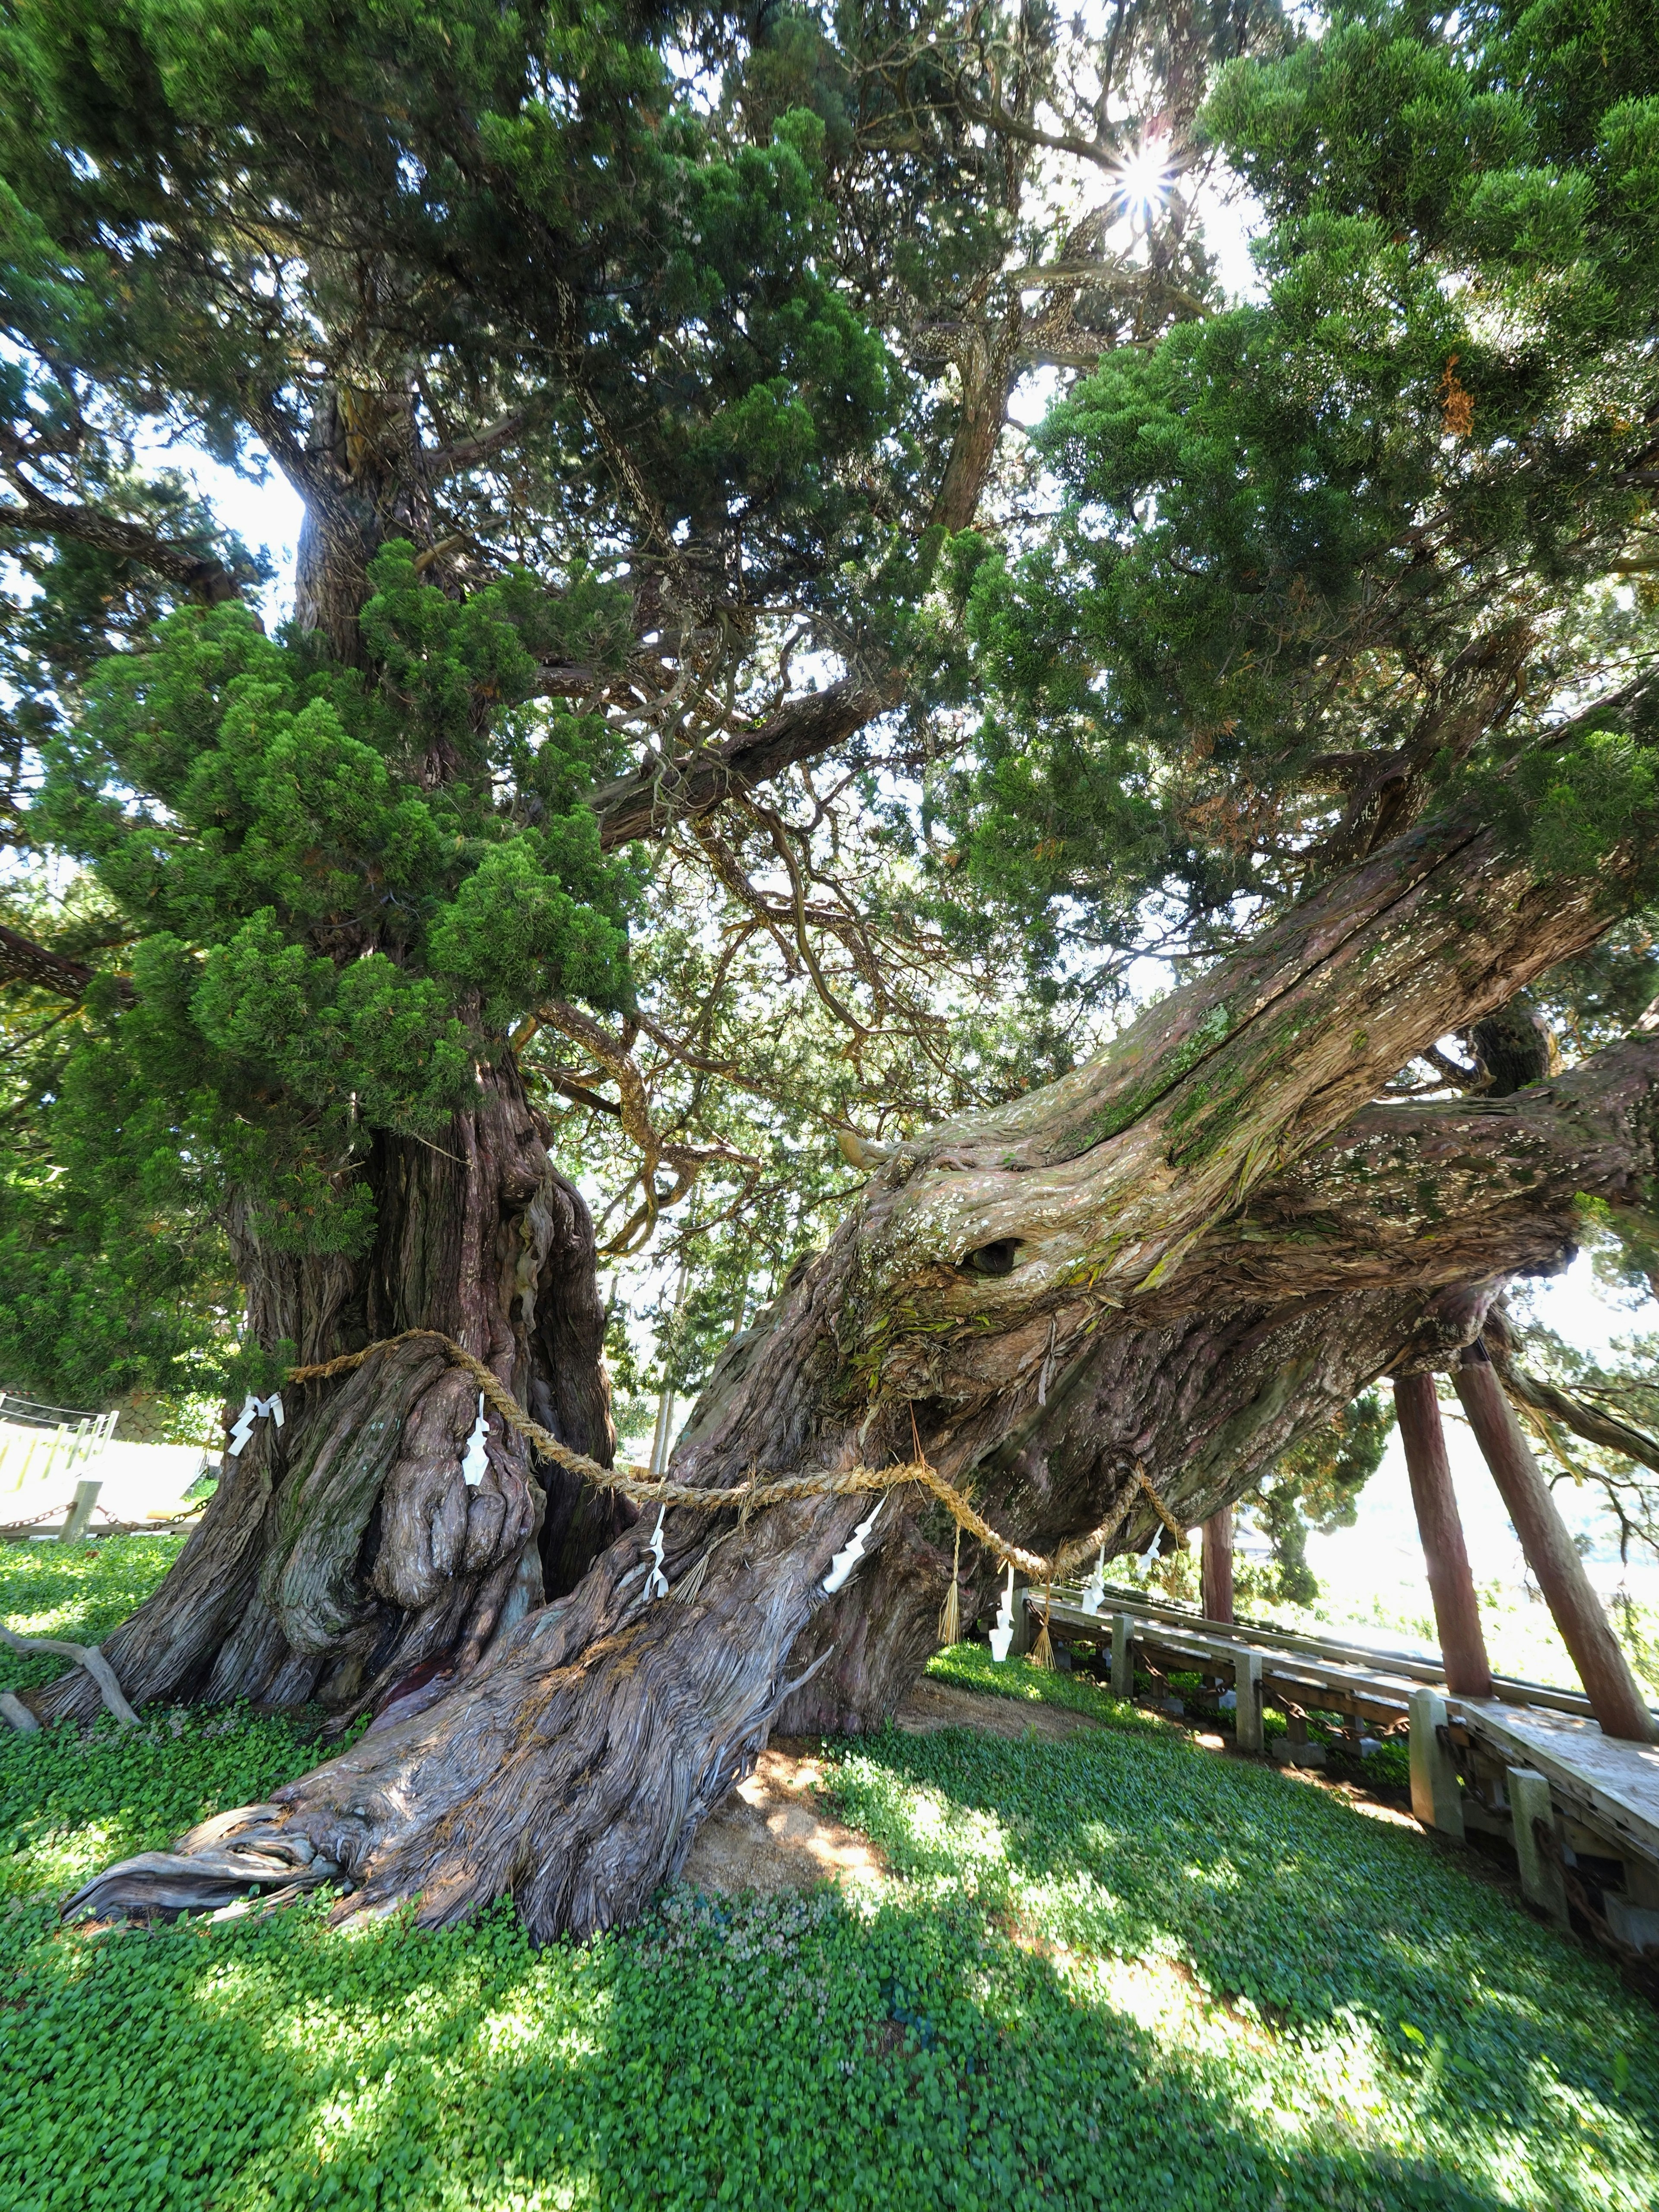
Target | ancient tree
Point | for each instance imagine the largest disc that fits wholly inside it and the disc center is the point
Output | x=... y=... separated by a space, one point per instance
x=648 y=420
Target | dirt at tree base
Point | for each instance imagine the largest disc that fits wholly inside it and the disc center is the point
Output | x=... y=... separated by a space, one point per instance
x=933 y=1705
x=772 y=1833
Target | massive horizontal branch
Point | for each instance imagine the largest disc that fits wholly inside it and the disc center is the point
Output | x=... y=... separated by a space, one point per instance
x=1040 y=1297
x=1082 y=1198
x=1443 y=1191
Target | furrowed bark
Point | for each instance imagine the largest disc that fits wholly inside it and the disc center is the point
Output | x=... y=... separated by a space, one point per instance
x=1185 y=1256
x=343 y=1552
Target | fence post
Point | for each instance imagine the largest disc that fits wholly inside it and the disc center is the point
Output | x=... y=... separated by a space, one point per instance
x=1025 y=1635
x=1437 y=1799
x=1123 y=1675
x=1542 y=1882
x=86 y=1497
x=1249 y=1734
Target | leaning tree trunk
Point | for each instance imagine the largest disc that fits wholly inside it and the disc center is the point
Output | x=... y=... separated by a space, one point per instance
x=1179 y=1258
x=342 y=1557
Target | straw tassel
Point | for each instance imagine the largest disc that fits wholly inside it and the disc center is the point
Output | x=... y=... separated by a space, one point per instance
x=950 y=1617
x=1042 y=1652
x=693 y=1580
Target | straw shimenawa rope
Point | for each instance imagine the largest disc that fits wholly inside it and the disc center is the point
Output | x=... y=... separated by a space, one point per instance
x=638 y=1485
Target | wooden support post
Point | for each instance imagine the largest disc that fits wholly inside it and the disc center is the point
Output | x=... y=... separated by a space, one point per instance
x=1436 y=1796
x=1542 y=1882
x=1123 y=1673
x=1216 y=1572
x=1603 y=1669
x=1456 y=1610
x=1024 y=1634
x=86 y=1497
x=1248 y=1732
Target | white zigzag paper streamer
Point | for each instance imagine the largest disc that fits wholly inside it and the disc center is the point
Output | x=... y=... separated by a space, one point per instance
x=1094 y=1591
x=843 y=1565
x=252 y=1409
x=474 y=1462
x=656 y=1583
x=1003 y=1634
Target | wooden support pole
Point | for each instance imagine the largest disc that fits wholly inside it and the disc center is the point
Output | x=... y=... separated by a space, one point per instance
x=1603 y=1669
x=1456 y=1610
x=1542 y=1883
x=1217 y=1571
x=1024 y=1635
x=1437 y=1795
x=1123 y=1674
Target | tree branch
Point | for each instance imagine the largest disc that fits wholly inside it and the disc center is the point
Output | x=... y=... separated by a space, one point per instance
x=439 y=461
x=1559 y=1405
x=22 y=961
x=201 y=575
x=644 y=804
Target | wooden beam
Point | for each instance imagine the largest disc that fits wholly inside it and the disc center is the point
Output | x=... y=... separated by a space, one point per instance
x=1585 y=1629
x=1451 y=1585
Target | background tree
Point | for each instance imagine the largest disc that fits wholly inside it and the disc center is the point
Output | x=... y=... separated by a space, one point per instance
x=649 y=427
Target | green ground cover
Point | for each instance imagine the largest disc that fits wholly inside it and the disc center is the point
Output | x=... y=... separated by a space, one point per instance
x=1114 y=1971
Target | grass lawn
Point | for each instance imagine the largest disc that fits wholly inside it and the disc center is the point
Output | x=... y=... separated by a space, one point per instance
x=1110 y=1970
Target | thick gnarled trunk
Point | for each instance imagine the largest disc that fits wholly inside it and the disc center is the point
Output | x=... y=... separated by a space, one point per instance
x=1181 y=1258
x=343 y=1553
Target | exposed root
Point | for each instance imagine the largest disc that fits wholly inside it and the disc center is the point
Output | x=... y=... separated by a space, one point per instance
x=84 y=1655
x=571 y=1771
x=226 y=1858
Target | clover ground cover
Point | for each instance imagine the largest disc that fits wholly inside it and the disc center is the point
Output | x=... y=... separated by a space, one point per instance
x=1113 y=1970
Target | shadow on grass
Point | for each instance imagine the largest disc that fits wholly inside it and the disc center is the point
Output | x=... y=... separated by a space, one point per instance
x=1120 y=1974
x=784 y=2052
x=1340 y=1978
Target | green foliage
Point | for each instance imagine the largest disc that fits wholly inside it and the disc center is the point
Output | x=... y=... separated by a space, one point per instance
x=81 y=1591
x=971 y=1667
x=1108 y=1966
x=332 y=887
x=323 y=935
x=1353 y=549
